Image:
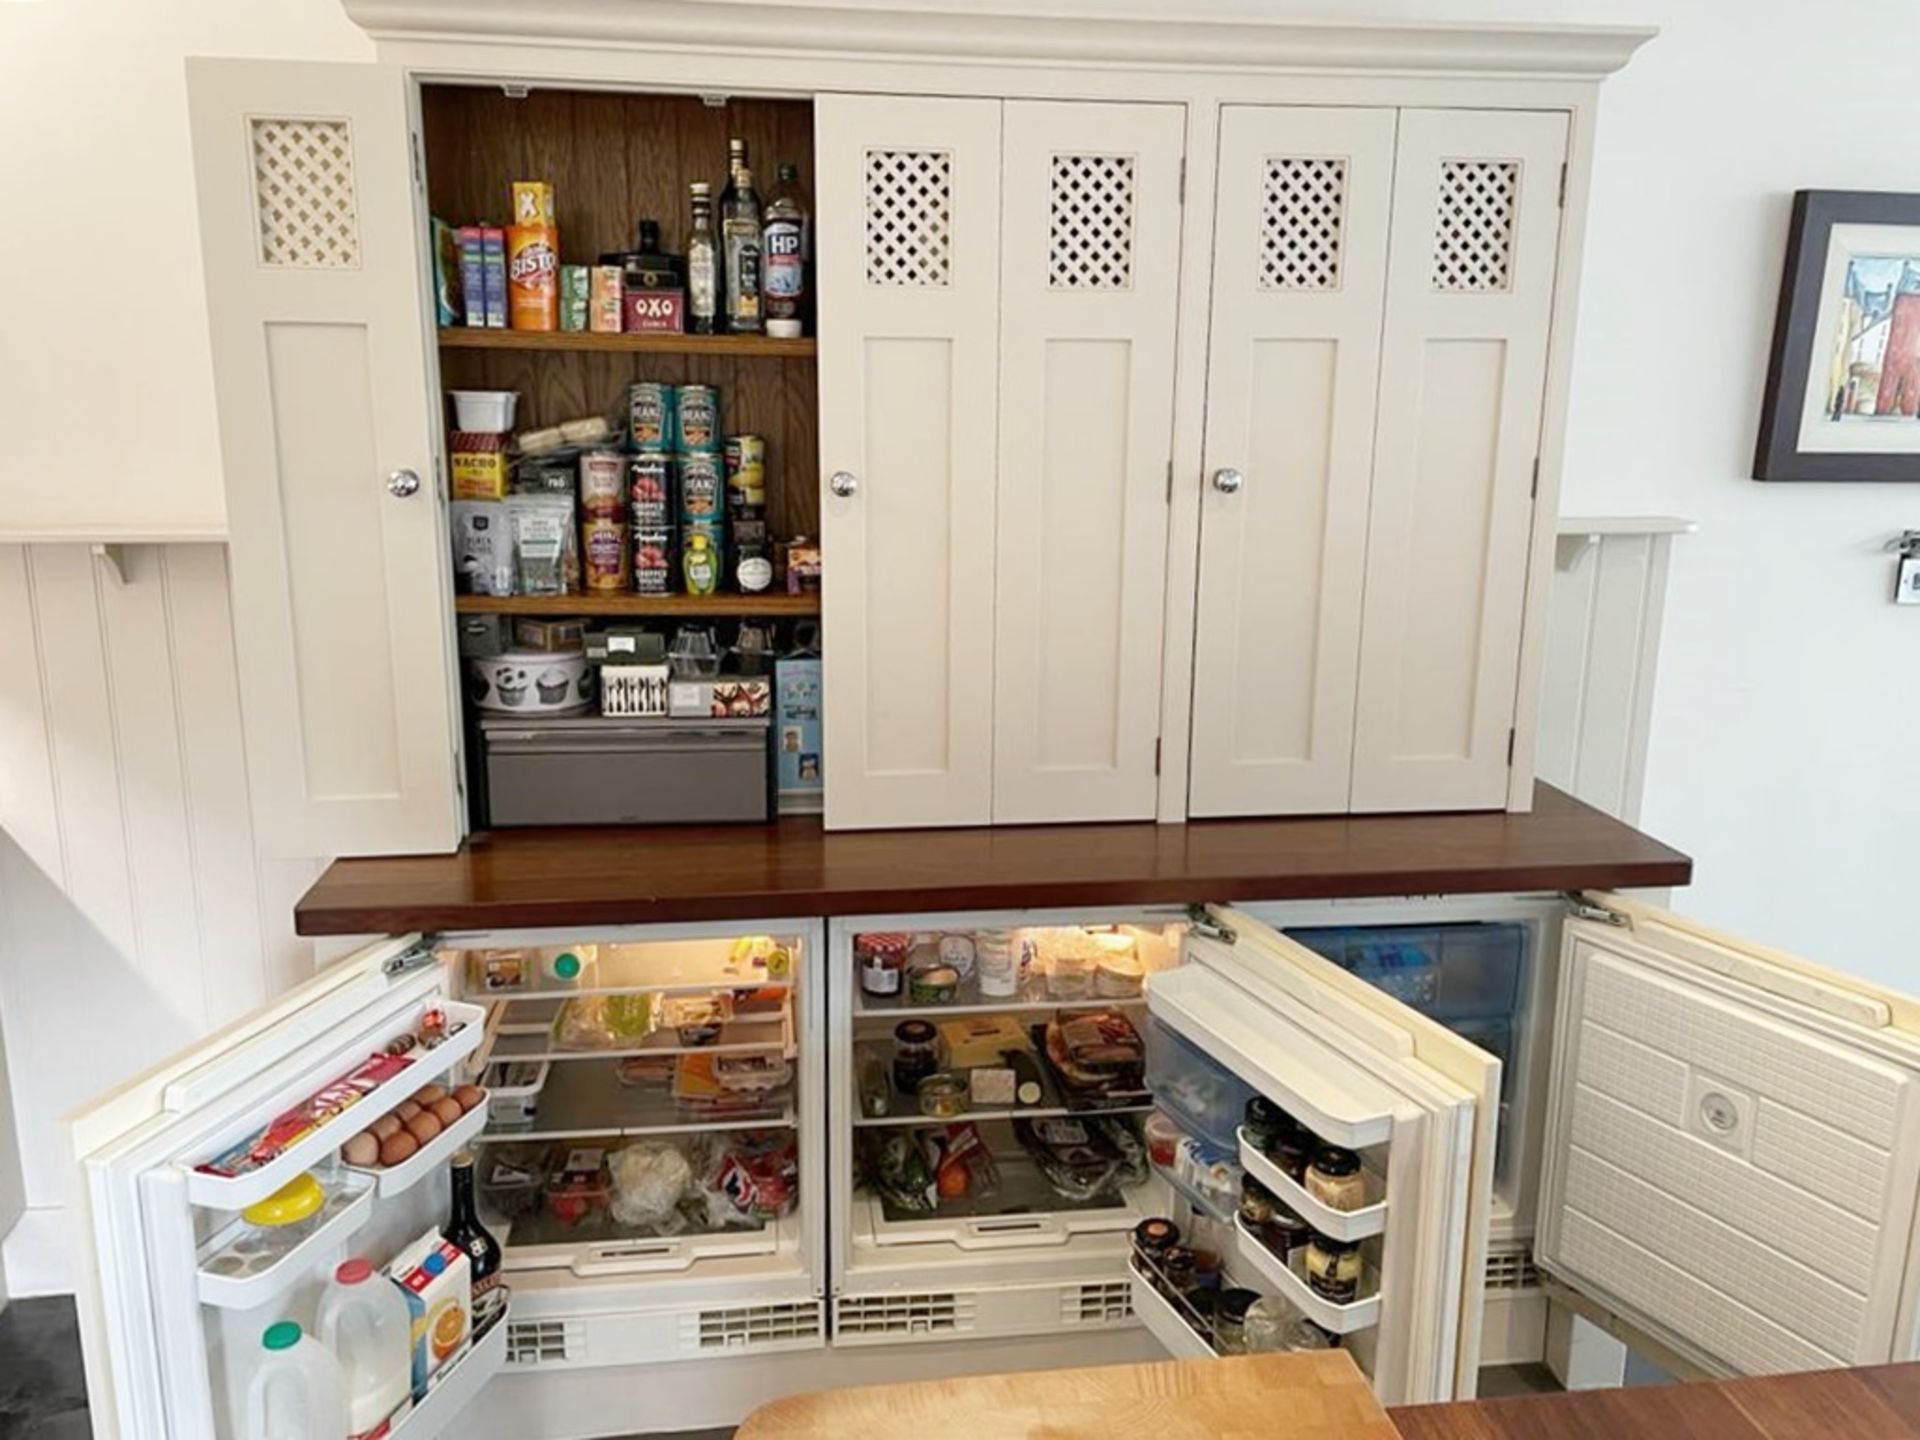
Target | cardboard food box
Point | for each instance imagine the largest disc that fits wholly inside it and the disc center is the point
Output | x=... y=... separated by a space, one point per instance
x=799 y=772
x=727 y=698
x=981 y=1039
x=479 y=464
x=551 y=636
x=482 y=636
x=436 y=1279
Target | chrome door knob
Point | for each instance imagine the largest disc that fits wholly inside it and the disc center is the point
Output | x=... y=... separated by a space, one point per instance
x=402 y=483
x=843 y=483
x=1228 y=482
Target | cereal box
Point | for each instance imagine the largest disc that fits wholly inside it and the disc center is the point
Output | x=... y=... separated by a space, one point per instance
x=436 y=1279
x=605 y=289
x=473 y=286
x=533 y=277
x=493 y=266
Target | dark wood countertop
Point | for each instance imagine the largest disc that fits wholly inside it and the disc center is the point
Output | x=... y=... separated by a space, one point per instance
x=1879 y=1403
x=793 y=868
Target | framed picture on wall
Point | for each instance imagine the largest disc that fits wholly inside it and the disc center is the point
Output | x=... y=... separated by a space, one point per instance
x=1843 y=387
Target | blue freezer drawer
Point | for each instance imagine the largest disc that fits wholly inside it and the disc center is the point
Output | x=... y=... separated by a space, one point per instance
x=1205 y=1097
x=1451 y=972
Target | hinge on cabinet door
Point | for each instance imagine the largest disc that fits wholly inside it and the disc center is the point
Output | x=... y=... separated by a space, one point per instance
x=419 y=164
x=1169 y=482
x=1200 y=920
x=1581 y=908
x=1156 y=754
x=1535 y=492
x=1563 y=185
x=1513 y=739
x=1183 y=179
x=419 y=953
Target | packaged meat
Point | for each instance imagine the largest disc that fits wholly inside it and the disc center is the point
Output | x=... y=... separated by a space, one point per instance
x=1083 y=1157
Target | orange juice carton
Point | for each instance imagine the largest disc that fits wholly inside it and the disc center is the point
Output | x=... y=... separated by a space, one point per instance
x=436 y=1279
x=532 y=202
x=533 y=277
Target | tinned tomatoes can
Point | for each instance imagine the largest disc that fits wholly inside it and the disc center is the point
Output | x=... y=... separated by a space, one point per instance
x=697 y=417
x=603 y=484
x=653 y=562
x=604 y=555
x=650 y=415
x=649 y=477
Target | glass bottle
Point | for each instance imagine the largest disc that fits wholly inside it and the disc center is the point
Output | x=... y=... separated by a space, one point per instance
x=783 y=261
x=703 y=264
x=740 y=232
x=648 y=266
x=463 y=1228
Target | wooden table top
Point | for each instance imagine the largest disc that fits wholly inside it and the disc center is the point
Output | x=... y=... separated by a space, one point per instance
x=1318 y=1396
x=1880 y=1403
x=794 y=868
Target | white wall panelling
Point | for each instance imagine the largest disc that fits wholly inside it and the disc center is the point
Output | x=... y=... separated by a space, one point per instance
x=1089 y=285
x=1300 y=258
x=319 y=340
x=908 y=200
x=134 y=917
x=1470 y=298
x=1603 y=648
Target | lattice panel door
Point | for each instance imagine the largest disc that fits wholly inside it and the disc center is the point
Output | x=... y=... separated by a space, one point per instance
x=1474 y=225
x=1302 y=223
x=1090 y=229
x=303 y=193
x=909 y=217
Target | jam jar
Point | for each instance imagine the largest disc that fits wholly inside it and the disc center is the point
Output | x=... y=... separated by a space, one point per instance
x=881 y=958
x=916 y=1054
x=1291 y=1150
x=1256 y=1204
x=1266 y=1122
x=1333 y=1268
x=1285 y=1231
x=1230 y=1320
x=1334 y=1179
x=1153 y=1237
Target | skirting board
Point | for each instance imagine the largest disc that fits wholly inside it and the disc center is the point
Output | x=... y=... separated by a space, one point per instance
x=37 y=1255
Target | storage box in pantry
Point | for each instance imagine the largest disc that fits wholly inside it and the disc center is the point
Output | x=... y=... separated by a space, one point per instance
x=799 y=769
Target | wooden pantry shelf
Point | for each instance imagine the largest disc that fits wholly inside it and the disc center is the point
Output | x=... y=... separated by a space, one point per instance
x=638 y=605
x=767 y=346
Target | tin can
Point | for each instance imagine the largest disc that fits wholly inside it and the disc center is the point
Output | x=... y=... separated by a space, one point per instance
x=603 y=548
x=746 y=475
x=700 y=487
x=702 y=562
x=649 y=477
x=697 y=417
x=653 y=562
x=603 y=484
x=650 y=415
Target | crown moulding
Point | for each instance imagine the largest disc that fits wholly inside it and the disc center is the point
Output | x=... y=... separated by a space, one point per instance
x=1224 y=34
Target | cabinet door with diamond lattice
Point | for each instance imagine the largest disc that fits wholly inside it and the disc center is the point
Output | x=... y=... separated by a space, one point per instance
x=1089 y=292
x=1470 y=287
x=313 y=252
x=908 y=245
x=1300 y=245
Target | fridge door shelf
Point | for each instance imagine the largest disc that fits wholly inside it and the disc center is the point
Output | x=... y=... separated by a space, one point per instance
x=1340 y=1224
x=1213 y=1207
x=222 y=1192
x=1211 y=1015
x=1164 y=1320
x=1288 y=1277
x=451 y=1389
x=398 y=1179
x=239 y=1267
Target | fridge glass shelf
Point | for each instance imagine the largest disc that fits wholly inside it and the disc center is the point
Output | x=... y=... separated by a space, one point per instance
x=1022 y=1190
x=588 y=1099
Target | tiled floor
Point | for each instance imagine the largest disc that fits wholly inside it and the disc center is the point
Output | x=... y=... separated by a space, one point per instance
x=42 y=1392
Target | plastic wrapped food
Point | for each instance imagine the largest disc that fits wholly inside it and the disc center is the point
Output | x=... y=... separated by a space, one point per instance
x=756 y=1178
x=649 y=1178
x=604 y=1022
x=961 y=1162
x=893 y=1166
x=1084 y=1156
x=1097 y=1056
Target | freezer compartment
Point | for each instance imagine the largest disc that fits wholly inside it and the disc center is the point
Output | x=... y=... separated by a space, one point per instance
x=1450 y=972
x=1202 y=1096
x=595 y=771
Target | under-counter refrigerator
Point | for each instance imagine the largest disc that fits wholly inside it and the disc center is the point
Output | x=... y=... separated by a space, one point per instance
x=648 y=1151
x=1716 y=1145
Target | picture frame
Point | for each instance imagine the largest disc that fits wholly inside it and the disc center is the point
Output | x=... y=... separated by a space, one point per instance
x=1842 y=400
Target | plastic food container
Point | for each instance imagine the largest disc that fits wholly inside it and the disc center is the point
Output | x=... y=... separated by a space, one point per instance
x=488 y=411
x=513 y=1090
x=578 y=1189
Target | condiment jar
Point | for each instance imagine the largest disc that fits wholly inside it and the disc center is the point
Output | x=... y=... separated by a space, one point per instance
x=1202 y=1307
x=1291 y=1150
x=1256 y=1204
x=997 y=962
x=1333 y=1268
x=916 y=1054
x=881 y=959
x=1230 y=1320
x=1152 y=1238
x=1285 y=1231
x=1163 y=1140
x=1272 y=1324
x=930 y=980
x=943 y=1094
x=1334 y=1179
x=1266 y=1122
x=1176 y=1268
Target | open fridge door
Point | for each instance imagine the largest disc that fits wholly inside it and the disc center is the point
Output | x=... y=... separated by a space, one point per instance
x=1732 y=1162
x=1363 y=1073
x=167 y=1279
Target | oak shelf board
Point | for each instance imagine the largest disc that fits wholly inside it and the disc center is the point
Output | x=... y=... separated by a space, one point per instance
x=640 y=343
x=774 y=605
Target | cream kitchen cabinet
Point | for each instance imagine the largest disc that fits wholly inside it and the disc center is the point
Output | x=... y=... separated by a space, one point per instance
x=1189 y=397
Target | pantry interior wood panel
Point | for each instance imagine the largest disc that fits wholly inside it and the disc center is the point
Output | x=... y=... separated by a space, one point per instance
x=612 y=159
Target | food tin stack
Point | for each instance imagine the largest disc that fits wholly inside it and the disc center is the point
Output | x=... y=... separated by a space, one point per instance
x=695 y=497
x=702 y=488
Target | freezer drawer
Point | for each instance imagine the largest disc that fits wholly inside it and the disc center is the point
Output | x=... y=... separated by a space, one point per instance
x=589 y=770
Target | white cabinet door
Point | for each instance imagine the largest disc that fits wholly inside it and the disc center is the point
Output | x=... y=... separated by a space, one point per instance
x=314 y=273
x=1733 y=1147
x=1300 y=258
x=1089 y=289
x=1476 y=220
x=909 y=231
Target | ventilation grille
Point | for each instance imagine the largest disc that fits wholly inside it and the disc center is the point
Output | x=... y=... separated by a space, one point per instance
x=545 y=1342
x=909 y=217
x=303 y=194
x=754 y=1325
x=1090 y=223
x=1106 y=1302
x=1473 y=231
x=931 y=1313
x=1302 y=223
x=1513 y=1270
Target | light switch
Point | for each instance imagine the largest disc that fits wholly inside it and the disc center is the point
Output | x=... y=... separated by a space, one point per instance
x=1908 y=589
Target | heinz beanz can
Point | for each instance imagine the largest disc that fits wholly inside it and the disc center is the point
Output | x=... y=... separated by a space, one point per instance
x=603 y=483
x=649 y=477
x=701 y=486
x=697 y=417
x=650 y=415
